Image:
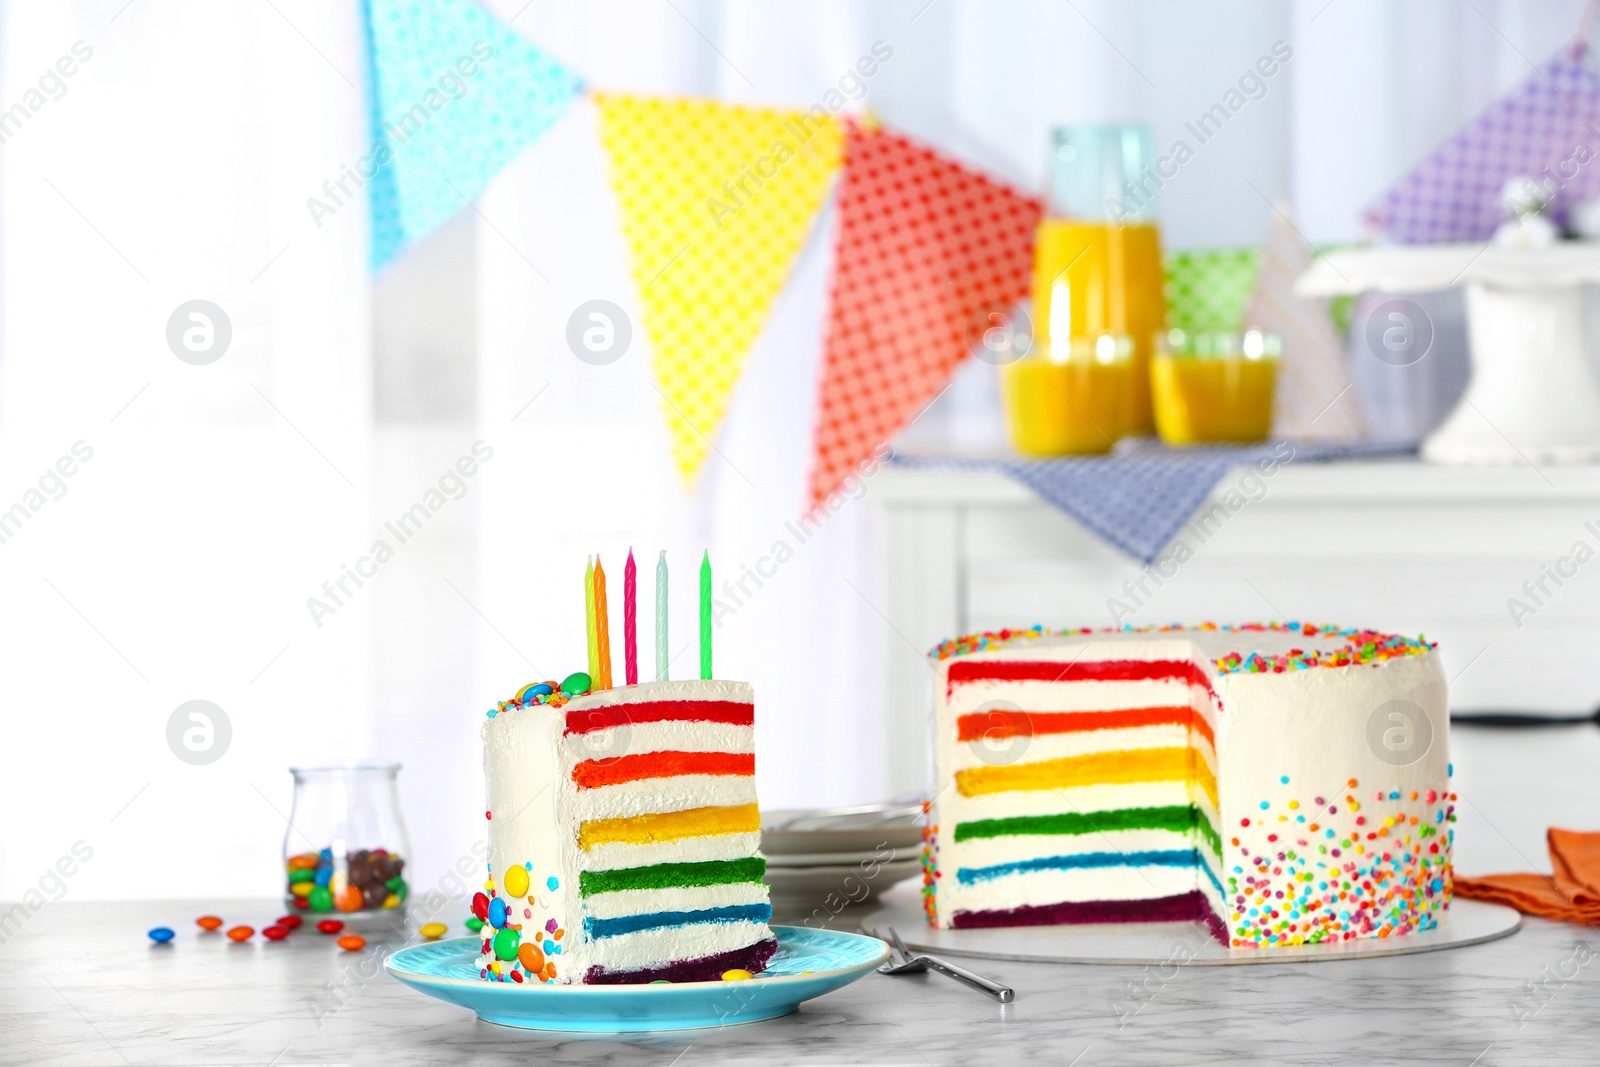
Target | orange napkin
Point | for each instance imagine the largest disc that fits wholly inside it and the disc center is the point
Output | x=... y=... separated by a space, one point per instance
x=1572 y=893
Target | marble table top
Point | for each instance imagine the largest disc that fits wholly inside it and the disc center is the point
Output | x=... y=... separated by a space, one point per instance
x=80 y=985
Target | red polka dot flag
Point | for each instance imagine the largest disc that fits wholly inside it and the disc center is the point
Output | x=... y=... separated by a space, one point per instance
x=924 y=248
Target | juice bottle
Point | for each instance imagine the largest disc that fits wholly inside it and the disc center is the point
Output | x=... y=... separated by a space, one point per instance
x=1100 y=239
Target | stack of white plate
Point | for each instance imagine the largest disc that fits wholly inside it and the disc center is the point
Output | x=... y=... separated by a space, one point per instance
x=824 y=860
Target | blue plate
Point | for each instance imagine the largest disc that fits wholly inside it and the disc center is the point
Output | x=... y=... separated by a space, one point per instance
x=808 y=963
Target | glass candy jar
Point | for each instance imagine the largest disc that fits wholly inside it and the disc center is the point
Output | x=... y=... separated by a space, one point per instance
x=345 y=851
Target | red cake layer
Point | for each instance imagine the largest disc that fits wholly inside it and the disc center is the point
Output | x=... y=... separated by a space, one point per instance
x=1107 y=670
x=733 y=712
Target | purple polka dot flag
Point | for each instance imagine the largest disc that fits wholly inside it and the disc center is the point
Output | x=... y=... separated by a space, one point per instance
x=1546 y=129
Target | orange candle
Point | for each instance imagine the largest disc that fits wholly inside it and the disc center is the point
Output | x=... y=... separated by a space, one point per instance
x=603 y=631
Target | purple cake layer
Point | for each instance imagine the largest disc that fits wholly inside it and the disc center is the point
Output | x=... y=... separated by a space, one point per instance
x=752 y=958
x=1185 y=906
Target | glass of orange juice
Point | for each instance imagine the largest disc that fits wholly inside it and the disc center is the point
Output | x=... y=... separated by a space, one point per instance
x=1100 y=247
x=1069 y=400
x=1214 y=387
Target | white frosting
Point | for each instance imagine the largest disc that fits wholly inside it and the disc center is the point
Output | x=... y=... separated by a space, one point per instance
x=1313 y=727
x=536 y=809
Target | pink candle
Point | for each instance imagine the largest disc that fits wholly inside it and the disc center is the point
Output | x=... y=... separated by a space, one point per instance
x=630 y=620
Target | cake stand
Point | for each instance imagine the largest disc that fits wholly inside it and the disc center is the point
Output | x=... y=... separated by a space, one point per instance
x=1468 y=922
x=1534 y=397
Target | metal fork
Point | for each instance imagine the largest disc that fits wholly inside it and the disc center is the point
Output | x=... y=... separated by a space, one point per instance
x=910 y=964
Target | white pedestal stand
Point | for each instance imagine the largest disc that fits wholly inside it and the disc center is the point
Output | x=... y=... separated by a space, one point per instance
x=1534 y=395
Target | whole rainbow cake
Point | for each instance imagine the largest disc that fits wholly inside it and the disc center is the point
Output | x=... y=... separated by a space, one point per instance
x=1282 y=784
x=624 y=837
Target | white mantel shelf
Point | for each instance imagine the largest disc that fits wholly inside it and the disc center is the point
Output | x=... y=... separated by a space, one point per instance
x=1395 y=544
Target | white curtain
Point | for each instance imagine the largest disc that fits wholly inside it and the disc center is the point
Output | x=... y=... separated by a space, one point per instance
x=174 y=165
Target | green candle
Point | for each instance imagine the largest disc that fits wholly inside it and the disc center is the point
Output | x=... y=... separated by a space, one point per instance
x=705 y=615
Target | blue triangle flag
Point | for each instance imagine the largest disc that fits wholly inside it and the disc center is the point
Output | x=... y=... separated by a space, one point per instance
x=453 y=95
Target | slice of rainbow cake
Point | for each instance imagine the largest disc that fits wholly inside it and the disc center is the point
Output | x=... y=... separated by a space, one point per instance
x=1280 y=784
x=624 y=838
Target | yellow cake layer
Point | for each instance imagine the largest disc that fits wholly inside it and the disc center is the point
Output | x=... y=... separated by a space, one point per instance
x=669 y=826
x=1096 y=768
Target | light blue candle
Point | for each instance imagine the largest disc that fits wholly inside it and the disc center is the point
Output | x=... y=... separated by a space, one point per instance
x=661 y=617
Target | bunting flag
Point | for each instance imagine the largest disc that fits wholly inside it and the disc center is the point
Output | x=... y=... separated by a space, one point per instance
x=1314 y=399
x=1208 y=288
x=1545 y=129
x=453 y=96
x=924 y=249
x=717 y=201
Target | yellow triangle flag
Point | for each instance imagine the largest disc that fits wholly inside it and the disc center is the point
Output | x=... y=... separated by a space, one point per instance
x=717 y=201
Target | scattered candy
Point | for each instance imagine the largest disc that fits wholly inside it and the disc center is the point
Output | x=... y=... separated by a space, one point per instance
x=330 y=926
x=432 y=931
x=275 y=933
x=660 y=981
x=516 y=879
x=162 y=934
x=241 y=933
x=474 y=924
x=208 y=922
x=736 y=975
x=291 y=922
x=576 y=684
x=352 y=942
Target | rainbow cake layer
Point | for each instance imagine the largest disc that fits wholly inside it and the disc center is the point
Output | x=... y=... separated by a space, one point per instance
x=624 y=838
x=1280 y=784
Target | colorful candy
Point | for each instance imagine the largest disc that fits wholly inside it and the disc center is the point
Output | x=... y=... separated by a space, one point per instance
x=433 y=931
x=360 y=880
x=320 y=899
x=736 y=975
x=352 y=942
x=497 y=913
x=576 y=684
x=507 y=943
x=349 y=899
x=330 y=926
x=162 y=934
x=480 y=906
x=275 y=933
x=241 y=933
x=291 y=922
x=516 y=880
x=531 y=957
x=208 y=923
x=474 y=924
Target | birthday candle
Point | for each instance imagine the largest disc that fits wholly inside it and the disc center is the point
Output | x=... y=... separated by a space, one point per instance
x=661 y=617
x=705 y=615
x=589 y=622
x=604 y=679
x=630 y=620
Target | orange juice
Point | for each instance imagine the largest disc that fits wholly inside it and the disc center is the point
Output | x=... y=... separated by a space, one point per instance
x=1226 y=397
x=1067 y=407
x=1115 y=278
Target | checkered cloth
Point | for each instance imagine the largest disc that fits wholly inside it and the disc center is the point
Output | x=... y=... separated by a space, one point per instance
x=1140 y=496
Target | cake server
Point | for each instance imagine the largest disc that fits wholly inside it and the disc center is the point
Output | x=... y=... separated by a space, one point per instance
x=910 y=964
